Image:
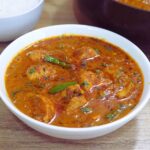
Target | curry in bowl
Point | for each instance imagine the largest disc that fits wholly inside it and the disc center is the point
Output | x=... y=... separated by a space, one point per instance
x=74 y=81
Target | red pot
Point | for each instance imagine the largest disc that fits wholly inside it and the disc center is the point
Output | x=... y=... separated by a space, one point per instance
x=129 y=21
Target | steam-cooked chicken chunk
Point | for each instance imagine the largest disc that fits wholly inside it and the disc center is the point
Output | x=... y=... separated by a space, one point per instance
x=37 y=72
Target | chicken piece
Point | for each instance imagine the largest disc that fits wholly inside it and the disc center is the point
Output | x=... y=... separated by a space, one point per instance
x=84 y=54
x=74 y=97
x=112 y=70
x=37 y=55
x=75 y=103
x=37 y=106
x=49 y=108
x=118 y=74
x=125 y=91
x=88 y=53
x=122 y=80
x=88 y=79
x=39 y=72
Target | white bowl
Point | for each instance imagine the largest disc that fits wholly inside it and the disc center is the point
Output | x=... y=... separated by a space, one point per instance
x=74 y=133
x=14 y=26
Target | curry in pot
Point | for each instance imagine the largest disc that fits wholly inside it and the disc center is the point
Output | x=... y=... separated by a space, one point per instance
x=74 y=81
x=140 y=4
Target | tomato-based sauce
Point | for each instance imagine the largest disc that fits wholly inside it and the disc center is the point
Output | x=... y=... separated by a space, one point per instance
x=74 y=81
x=140 y=4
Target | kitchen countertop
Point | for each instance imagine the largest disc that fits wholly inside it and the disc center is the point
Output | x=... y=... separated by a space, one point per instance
x=15 y=135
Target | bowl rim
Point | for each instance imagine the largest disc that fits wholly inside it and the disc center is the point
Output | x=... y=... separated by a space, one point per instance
x=40 y=2
x=126 y=118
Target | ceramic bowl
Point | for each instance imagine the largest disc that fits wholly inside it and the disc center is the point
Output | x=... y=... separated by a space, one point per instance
x=16 y=25
x=74 y=133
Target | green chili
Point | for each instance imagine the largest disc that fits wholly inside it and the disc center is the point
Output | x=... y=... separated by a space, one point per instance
x=61 y=87
x=54 y=60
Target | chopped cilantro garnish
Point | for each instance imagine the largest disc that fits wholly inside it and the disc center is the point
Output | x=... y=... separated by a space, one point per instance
x=85 y=83
x=32 y=70
x=104 y=64
x=97 y=71
x=15 y=92
x=86 y=110
x=135 y=73
x=110 y=116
